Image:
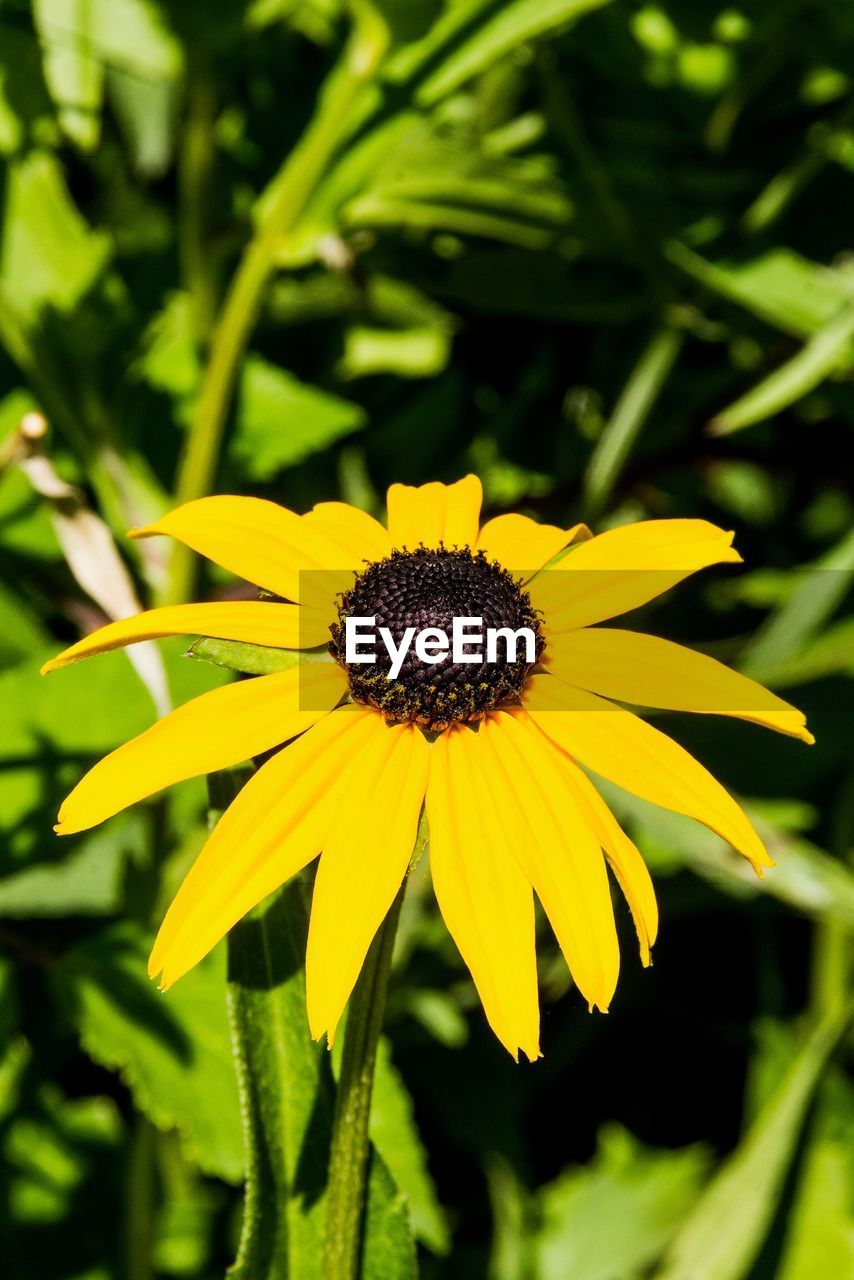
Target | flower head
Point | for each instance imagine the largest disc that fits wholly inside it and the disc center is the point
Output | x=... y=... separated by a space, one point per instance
x=425 y=590
x=493 y=750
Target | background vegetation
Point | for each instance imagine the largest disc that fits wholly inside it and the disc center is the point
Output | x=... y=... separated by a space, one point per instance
x=597 y=252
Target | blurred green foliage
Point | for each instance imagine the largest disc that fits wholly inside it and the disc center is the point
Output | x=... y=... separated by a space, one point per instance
x=599 y=252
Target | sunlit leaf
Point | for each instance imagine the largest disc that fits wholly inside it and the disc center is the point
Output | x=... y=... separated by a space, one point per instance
x=743 y=1194
x=253 y=659
x=805 y=877
x=822 y=1229
x=86 y=879
x=778 y=286
x=54 y=729
x=73 y=70
x=281 y=420
x=287 y=1098
x=173 y=1052
x=473 y=34
x=612 y=1217
x=49 y=257
x=410 y=353
x=824 y=354
x=795 y=625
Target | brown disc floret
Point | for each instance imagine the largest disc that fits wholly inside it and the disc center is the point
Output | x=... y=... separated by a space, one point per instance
x=428 y=588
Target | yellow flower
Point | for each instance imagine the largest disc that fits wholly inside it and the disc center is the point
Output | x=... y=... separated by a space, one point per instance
x=496 y=761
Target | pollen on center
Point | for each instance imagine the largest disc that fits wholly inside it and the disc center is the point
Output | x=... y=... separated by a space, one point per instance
x=425 y=590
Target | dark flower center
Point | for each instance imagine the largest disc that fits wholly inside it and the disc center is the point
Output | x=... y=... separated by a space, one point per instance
x=428 y=589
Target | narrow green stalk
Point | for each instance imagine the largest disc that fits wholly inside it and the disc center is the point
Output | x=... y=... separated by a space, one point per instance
x=139 y=1222
x=785 y=187
x=630 y=413
x=833 y=947
x=831 y=964
x=779 y=193
x=565 y=119
x=282 y=205
x=348 y=1160
x=195 y=172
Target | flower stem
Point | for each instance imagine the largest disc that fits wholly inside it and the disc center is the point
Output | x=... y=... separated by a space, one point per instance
x=194 y=185
x=281 y=207
x=139 y=1222
x=348 y=1159
x=833 y=947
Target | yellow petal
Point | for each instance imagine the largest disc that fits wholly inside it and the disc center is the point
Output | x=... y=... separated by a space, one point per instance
x=274 y=827
x=624 y=860
x=277 y=626
x=624 y=568
x=556 y=848
x=620 y=746
x=485 y=899
x=365 y=855
x=434 y=513
x=212 y=732
x=523 y=545
x=255 y=539
x=318 y=606
x=356 y=535
x=651 y=672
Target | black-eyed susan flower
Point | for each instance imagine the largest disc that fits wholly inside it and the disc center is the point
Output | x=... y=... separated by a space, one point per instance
x=495 y=752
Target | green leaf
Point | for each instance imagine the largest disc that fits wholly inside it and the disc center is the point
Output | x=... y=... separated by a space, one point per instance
x=414 y=175
x=473 y=34
x=792 y=627
x=281 y=421
x=169 y=360
x=49 y=1150
x=88 y=881
x=830 y=654
x=21 y=631
x=744 y=488
x=55 y=727
x=780 y=287
x=185 y=1225
x=722 y=1236
x=610 y=1219
x=630 y=412
x=49 y=257
x=388 y=1251
x=823 y=355
x=73 y=72
x=172 y=1051
x=146 y=110
x=26 y=109
x=409 y=353
x=805 y=876
x=821 y=1230
x=287 y=1094
x=253 y=659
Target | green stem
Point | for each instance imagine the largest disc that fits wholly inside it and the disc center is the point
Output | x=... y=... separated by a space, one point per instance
x=833 y=953
x=630 y=413
x=282 y=205
x=831 y=963
x=139 y=1225
x=196 y=169
x=348 y=1160
x=565 y=119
